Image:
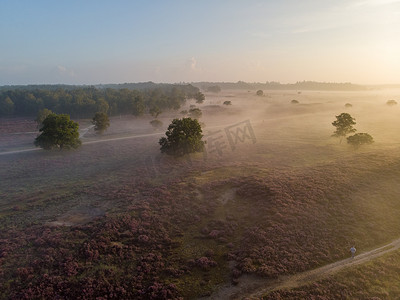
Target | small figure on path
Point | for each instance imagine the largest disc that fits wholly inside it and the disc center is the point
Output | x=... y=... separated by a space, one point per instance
x=353 y=251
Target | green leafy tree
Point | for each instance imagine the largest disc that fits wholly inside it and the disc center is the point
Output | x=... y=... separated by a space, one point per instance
x=41 y=116
x=101 y=122
x=199 y=96
x=259 y=93
x=195 y=113
x=360 y=139
x=183 y=137
x=344 y=125
x=58 y=132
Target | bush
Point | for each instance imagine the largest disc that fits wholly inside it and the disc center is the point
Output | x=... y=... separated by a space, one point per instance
x=391 y=102
x=348 y=105
x=259 y=93
x=227 y=103
x=360 y=139
x=294 y=101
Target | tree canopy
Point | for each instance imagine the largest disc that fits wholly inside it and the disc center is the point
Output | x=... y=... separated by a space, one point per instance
x=344 y=125
x=259 y=93
x=41 y=116
x=214 y=89
x=360 y=139
x=101 y=122
x=195 y=113
x=84 y=102
x=183 y=137
x=199 y=96
x=6 y=106
x=58 y=132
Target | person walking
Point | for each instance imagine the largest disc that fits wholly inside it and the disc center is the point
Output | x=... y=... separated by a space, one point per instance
x=353 y=251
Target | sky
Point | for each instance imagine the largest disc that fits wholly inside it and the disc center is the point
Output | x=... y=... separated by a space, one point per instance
x=98 y=41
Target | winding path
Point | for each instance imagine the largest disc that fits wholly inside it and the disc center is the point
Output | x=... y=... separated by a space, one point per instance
x=252 y=287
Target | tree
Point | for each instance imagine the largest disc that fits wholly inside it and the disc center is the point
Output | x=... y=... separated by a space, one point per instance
x=259 y=93
x=348 y=105
x=41 y=116
x=6 y=106
x=59 y=132
x=214 y=89
x=155 y=111
x=227 y=102
x=294 y=101
x=391 y=102
x=195 y=113
x=101 y=122
x=360 y=139
x=344 y=125
x=199 y=96
x=183 y=137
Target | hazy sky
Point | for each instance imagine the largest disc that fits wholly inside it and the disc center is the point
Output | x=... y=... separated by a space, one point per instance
x=98 y=41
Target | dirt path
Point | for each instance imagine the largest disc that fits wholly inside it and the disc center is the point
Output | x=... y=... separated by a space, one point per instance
x=89 y=142
x=251 y=287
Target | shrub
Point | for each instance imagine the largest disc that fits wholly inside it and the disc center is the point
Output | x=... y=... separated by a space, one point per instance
x=360 y=139
x=391 y=102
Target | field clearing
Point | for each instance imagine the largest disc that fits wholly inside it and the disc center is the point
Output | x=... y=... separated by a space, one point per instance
x=117 y=218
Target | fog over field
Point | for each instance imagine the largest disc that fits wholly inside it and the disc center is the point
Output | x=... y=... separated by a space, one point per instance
x=273 y=194
x=200 y=149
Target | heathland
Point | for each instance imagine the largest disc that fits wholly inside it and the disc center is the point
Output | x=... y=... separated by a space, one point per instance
x=273 y=195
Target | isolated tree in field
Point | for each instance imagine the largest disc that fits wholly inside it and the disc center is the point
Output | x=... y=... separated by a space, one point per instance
x=344 y=125
x=183 y=137
x=259 y=93
x=360 y=139
x=348 y=105
x=294 y=101
x=195 y=113
x=227 y=102
x=58 y=132
x=41 y=116
x=199 y=96
x=101 y=122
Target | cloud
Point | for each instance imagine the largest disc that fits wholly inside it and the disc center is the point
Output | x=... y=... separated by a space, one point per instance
x=374 y=2
x=191 y=64
x=64 y=71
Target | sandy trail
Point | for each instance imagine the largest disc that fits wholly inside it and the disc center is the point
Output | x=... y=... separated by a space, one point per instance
x=251 y=287
x=89 y=142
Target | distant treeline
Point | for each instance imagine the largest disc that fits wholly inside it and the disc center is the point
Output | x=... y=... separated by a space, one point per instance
x=85 y=101
x=273 y=85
